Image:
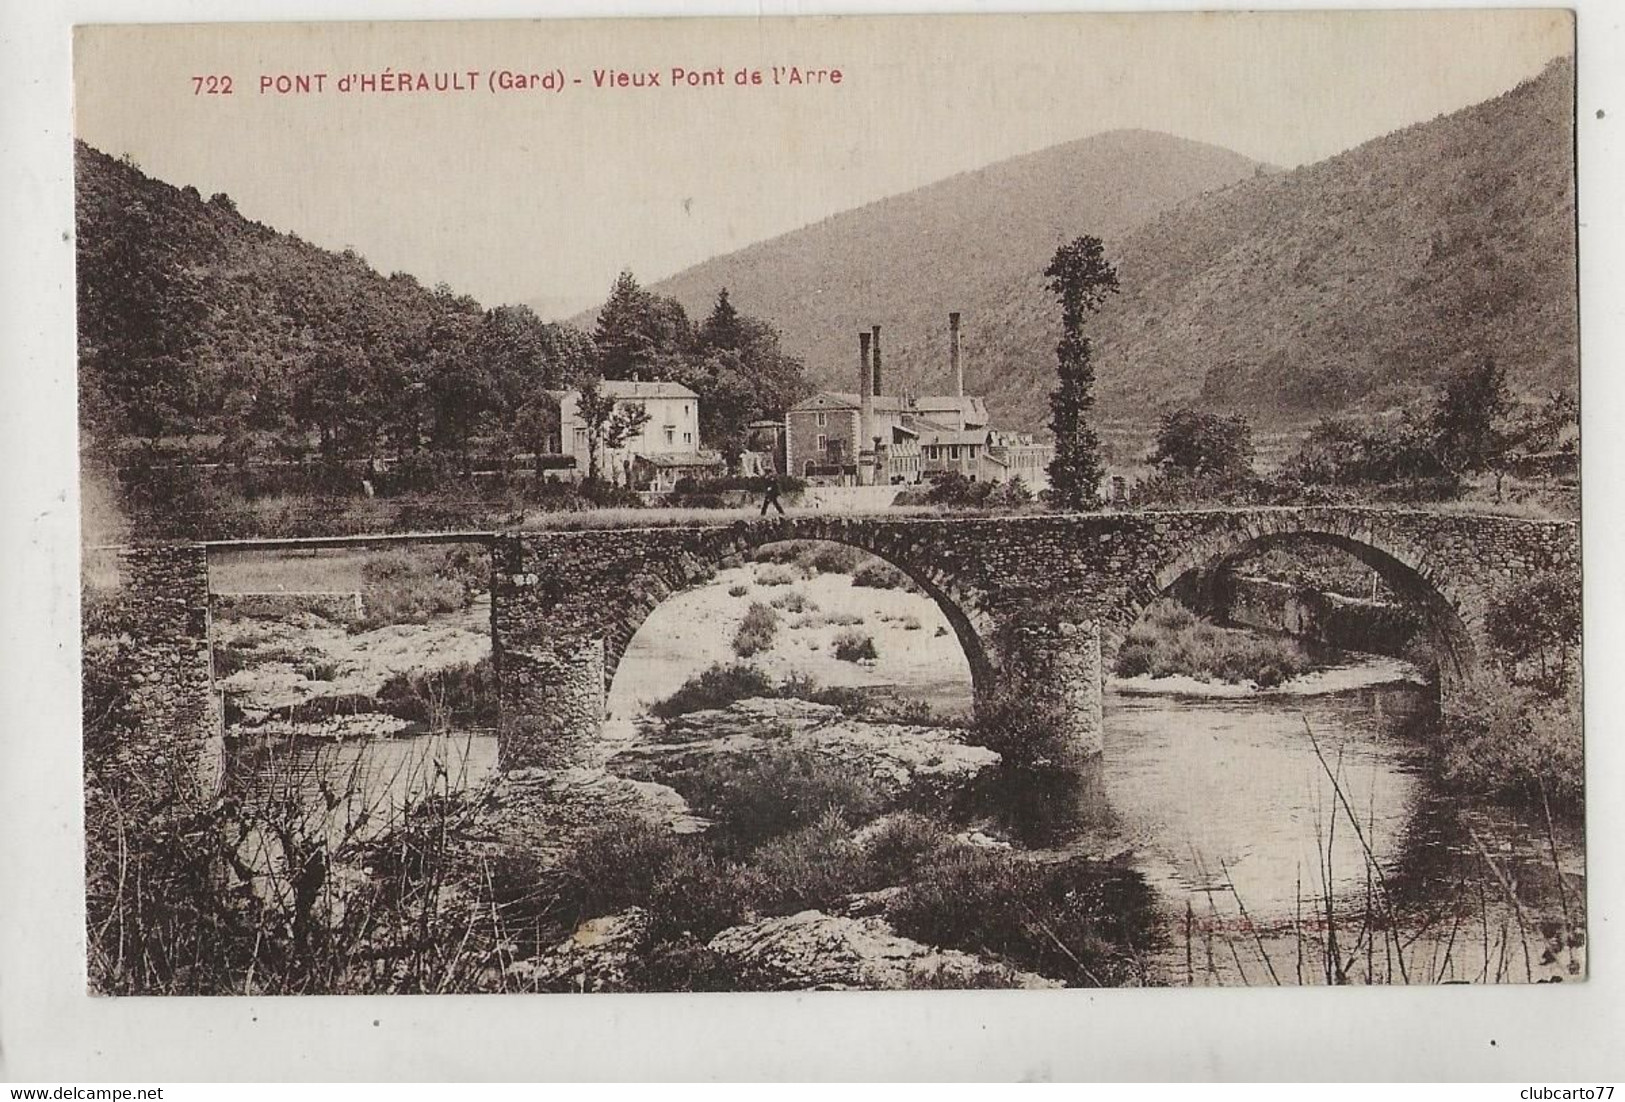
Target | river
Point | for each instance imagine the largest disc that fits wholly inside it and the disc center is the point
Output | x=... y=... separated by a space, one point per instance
x=1267 y=870
x=1264 y=869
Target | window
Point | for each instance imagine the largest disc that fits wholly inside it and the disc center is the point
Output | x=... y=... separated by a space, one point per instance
x=688 y=438
x=953 y=451
x=823 y=441
x=823 y=419
x=671 y=434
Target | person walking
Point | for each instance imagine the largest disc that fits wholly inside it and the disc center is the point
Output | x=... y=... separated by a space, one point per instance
x=771 y=497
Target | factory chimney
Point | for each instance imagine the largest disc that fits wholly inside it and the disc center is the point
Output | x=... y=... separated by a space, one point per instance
x=865 y=456
x=953 y=355
x=876 y=331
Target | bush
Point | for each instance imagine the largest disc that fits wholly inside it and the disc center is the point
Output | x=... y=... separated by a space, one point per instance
x=698 y=895
x=830 y=619
x=716 y=687
x=738 y=590
x=832 y=558
x=877 y=574
x=1081 y=921
x=1344 y=451
x=955 y=490
x=896 y=847
x=1026 y=734
x=1536 y=625
x=757 y=630
x=1512 y=743
x=1013 y=494
x=761 y=797
x=407 y=586
x=635 y=863
x=855 y=646
x=467 y=691
x=1171 y=640
x=772 y=575
x=810 y=867
x=793 y=602
x=616 y=865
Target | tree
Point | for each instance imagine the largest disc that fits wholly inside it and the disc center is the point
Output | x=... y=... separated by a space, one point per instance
x=1471 y=426
x=1196 y=443
x=1539 y=622
x=1081 y=277
x=1344 y=451
x=536 y=427
x=609 y=422
x=722 y=329
x=641 y=335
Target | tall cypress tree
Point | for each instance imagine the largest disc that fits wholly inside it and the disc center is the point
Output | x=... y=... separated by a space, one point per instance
x=1081 y=277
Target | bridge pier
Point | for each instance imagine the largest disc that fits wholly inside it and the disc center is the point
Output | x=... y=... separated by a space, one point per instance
x=1056 y=668
x=175 y=747
x=553 y=703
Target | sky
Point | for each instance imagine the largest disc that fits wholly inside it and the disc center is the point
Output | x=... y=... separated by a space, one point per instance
x=530 y=194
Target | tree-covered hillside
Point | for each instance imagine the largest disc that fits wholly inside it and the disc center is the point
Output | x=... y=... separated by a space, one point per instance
x=1359 y=282
x=195 y=320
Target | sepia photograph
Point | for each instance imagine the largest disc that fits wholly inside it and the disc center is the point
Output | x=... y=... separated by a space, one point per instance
x=884 y=503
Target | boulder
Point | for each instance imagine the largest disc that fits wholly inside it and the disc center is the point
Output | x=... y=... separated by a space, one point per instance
x=598 y=956
x=896 y=757
x=817 y=951
x=544 y=812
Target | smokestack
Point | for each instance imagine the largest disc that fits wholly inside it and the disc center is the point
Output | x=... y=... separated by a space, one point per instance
x=876 y=331
x=866 y=409
x=953 y=355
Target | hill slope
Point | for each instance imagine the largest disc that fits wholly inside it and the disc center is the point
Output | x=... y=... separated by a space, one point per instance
x=963 y=243
x=193 y=318
x=1356 y=282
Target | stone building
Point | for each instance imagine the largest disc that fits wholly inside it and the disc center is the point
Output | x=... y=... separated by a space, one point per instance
x=668 y=446
x=869 y=437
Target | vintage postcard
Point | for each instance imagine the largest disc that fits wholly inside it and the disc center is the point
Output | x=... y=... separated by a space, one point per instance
x=917 y=502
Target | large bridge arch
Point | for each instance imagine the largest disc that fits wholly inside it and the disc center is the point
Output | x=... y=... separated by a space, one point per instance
x=566 y=606
x=964 y=607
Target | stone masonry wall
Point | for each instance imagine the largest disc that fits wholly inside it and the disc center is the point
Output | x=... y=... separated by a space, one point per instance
x=1374 y=627
x=161 y=604
x=989 y=573
x=552 y=704
x=566 y=604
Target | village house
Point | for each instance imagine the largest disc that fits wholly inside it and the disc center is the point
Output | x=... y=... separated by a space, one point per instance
x=870 y=437
x=667 y=447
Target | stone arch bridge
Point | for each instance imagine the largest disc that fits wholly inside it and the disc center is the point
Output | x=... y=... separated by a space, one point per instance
x=1040 y=603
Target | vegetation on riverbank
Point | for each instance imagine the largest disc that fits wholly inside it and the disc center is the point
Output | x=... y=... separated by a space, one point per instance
x=1170 y=640
x=1517 y=733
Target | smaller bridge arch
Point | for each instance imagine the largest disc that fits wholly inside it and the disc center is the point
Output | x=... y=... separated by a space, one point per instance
x=1450 y=615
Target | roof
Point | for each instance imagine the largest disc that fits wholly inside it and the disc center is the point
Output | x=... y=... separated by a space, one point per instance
x=969 y=436
x=840 y=399
x=681 y=459
x=964 y=403
x=633 y=388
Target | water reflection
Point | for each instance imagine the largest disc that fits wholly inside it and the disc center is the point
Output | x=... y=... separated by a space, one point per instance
x=1231 y=811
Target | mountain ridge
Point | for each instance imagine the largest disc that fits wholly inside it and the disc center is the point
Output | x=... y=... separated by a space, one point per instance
x=1353 y=283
